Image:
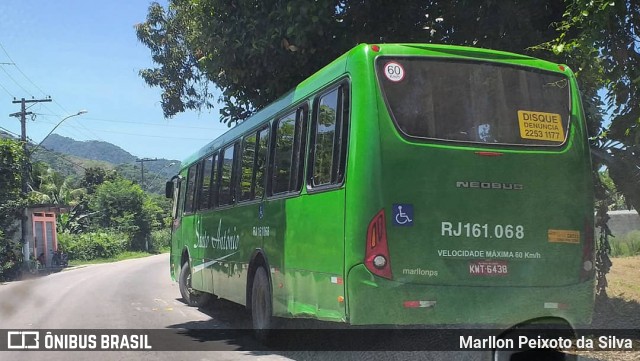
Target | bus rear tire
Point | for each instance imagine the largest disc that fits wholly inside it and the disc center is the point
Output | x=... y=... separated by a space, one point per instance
x=190 y=296
x=261 y=306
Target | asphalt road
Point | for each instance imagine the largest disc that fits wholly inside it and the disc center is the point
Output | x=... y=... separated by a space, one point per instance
x=139 y=294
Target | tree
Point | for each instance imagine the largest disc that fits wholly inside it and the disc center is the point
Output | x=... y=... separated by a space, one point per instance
x=607 y=32
x=11 y=204
x=54 y=188
x=95 y=176
x=615 y=199
x=254 y=51
x=119 y=205
x=599 y=39
x=123 y=206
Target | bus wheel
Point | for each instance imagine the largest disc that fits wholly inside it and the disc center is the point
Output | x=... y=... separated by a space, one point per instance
x=191 y=297
x=261 y=306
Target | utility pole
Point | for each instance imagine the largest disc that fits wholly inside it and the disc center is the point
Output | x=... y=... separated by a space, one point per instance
x=22 y=114
x=141 y=161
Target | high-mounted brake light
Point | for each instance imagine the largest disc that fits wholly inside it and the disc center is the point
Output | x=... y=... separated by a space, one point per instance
x=375 y=48
x=562 y=67
x=377 y=251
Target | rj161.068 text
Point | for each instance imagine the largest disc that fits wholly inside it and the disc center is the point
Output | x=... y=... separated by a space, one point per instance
x=476 y=230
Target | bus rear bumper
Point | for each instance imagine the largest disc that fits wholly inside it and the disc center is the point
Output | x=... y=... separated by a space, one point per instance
x=374 y=300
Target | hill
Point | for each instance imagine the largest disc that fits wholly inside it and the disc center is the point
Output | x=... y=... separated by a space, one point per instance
x=91 y=149
x=70 y=158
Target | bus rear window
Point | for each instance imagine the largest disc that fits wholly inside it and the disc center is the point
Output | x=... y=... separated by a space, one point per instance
x=475 y=102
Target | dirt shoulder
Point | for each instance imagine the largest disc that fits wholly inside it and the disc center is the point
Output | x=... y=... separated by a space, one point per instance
x=622 y=308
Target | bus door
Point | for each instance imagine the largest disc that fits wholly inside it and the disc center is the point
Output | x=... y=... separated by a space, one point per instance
x=191 y=228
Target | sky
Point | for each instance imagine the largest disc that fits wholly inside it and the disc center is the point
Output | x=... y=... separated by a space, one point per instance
x=85 y=56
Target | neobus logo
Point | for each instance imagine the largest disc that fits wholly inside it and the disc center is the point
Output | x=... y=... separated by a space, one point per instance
x=490 y=185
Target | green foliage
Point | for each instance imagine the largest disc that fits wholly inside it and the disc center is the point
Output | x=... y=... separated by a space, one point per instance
x=627 y=245
x=611 y=196
x=95 y=176
x=93 y=245
x=169 y=35
x=55 y=188
x=600 y=37
x=254 y=51
x=160 y=240
x=89 y=163
x=11 y=203
x=160 y=208
x=11 y=160
x=120 y=215
x=120 y=206
x=77 y=220
x=10 y=259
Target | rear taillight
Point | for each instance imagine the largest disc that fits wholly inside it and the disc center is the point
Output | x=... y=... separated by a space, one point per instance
x=587 y=265
x=377 y=253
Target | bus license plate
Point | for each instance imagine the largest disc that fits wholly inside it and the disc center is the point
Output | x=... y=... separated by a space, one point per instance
x=488 y=268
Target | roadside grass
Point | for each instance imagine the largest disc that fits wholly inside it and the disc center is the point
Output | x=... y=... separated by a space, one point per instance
x=120 y=257
x=626 y=245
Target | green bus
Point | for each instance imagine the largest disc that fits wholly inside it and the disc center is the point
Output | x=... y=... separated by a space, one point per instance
x=401 y=184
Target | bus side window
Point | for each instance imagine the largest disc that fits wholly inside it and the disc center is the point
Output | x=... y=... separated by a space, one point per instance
x=189 y=204
x=182 y=185
x=206 y=182
x=227 y=178
x=329 y=138
x=288 y=149
x=254 y=160
x=247 y=172
x=283 y=152
x=215 y=185
x=299 y=148
x=261 y=163
x=176 y=196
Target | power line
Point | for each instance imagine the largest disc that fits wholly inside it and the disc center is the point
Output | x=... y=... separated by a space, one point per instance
x=76 y=131
x=82 y=125
x=74 y=127
x=158 y=125
x=7 y=91
x=18 y=84
x=62 y=156
x=10 y=132
x=225 y=128
x=151 y=136
x=40 y=89
x=20 y=70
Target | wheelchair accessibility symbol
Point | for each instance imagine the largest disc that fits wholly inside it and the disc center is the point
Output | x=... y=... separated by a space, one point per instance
x=403 y=215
